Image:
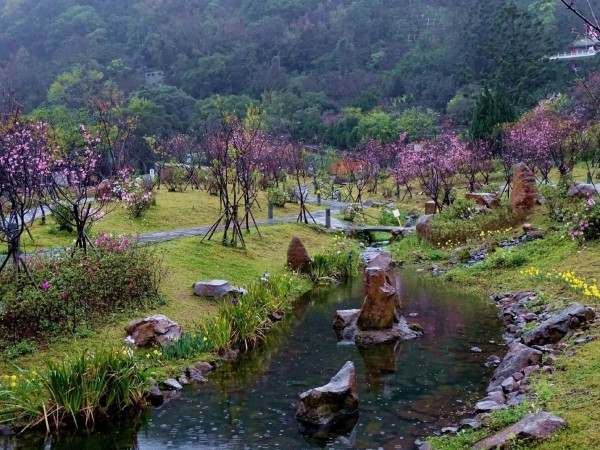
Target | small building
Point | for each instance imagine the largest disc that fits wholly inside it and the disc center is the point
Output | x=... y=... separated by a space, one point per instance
x=582 y=47
x=154 y=77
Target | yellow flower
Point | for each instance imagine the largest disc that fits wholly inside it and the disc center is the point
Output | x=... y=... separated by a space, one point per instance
x=147 y=355
x=205 y=339
x=14 y=377
x=13 y=384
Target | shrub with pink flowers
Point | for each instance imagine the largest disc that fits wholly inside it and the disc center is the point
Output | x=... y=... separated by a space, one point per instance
x=137 y=197
x=584 y=224
x=68 y=293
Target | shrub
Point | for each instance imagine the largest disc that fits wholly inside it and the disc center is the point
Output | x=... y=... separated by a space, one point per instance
x=61 y=216
x=558 y=205
x=22 y=348
x=138 y=197
x=277 y=197
x=65 y=292
x=386 y=218
x=444 y=228
x=461 y=209
x=174 y=177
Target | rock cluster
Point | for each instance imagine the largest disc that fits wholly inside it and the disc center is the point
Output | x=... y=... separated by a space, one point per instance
x=509 y=385
x=168 y=389
x=379 y=320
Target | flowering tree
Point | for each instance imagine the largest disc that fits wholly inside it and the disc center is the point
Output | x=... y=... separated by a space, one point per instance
x=476 y=161
x=76 y=173
x=298 y=167
x=24 y=171
x=437 y=166
x=236 y=151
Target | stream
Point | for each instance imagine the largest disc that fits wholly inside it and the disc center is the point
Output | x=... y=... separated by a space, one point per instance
x=407 y=391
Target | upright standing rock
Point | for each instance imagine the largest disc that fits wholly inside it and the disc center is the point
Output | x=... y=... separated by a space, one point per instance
x=380 y=305
x=524 y=194
x=297 y=256
x=423 y=227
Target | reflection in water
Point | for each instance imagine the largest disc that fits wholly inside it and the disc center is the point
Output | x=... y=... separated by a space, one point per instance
x=406 y=391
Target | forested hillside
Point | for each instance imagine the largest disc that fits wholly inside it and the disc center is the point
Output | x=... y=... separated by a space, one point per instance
x=304 y=61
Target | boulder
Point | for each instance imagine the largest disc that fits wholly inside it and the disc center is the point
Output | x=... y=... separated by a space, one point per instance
x=216 y=289
x=524 y=193
x=532 y=427
x=297 y=256
x=487 y=199
x=555 y=328
x=517 y=358
x=342 y=320
x=152 y=331
x=171 y=384
x=155 y=396
x=583 y=190
x=104 y=190
x=379 y=307
x=195 y=376
x=324 y=406
x=423 y=227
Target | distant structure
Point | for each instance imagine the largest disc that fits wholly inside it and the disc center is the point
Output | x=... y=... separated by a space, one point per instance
x=584 y=46
x=154 y=77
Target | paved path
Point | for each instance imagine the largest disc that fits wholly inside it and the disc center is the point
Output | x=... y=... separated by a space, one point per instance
x=169 y=235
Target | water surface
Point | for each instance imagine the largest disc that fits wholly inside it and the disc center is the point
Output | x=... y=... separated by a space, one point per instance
x=406 y=391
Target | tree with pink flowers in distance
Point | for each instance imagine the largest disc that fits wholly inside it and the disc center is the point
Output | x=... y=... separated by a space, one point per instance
x=75 y=175
x=24 y=172
x=476 y=162
x=437 y=168
x=404 y=166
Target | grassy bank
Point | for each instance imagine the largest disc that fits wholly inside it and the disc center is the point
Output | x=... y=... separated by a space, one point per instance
x=561 y=272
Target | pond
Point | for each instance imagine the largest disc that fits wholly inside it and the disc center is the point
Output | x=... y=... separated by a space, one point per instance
x=406 y=392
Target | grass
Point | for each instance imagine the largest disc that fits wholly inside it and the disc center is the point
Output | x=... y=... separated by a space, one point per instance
x=174 y=210
x=188 y=261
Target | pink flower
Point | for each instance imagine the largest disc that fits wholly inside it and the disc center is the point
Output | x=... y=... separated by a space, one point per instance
x=46 y=285
x=591 y=201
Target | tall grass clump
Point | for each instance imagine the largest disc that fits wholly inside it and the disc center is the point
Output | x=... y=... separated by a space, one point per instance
x=240 y=323
x=78 y=391
x=338 y=263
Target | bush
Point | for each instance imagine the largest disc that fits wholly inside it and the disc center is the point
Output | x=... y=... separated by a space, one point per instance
x=558 y=205
x=445 y=228
x=461 y=209
x=138 y=197
x=174 y=177
x=66 y=292
x=22 y=348
x=277 y=197
x=386 y=218
x=61 y=215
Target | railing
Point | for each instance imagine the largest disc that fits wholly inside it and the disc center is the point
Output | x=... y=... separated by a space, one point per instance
x=583 y=54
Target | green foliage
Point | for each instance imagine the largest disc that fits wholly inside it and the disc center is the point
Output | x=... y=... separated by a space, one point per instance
x=22 y=348
x=491 y=111
x=506 y=259
x=449 y=227
x=556 y=202
x=338 y=263
x=464 y=255
x=79 y=390
x=174 y=177
x=418 y=124
x=66 y=292
x=61 y=215
x=277 y=197
x=386 y=218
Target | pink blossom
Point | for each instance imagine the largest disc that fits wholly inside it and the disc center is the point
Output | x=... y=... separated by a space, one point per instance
x=46 y=285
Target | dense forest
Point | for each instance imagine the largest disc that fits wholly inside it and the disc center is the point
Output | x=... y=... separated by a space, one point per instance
x=324 y=71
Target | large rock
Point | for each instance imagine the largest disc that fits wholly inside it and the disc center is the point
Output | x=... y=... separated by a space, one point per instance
x=524 y=195
x=554 y=329
x=518 y=357
x=381 y=299
x=583 y=190
x=489 y=200
x=104 y=190
x=216 y=289
x=334 y=402
x=423 y=227
x=297 y=256
x=152 y=331
x=532 y=427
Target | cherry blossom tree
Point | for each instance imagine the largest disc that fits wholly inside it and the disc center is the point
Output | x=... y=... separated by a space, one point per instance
x=24 y=171
x=75 y=177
